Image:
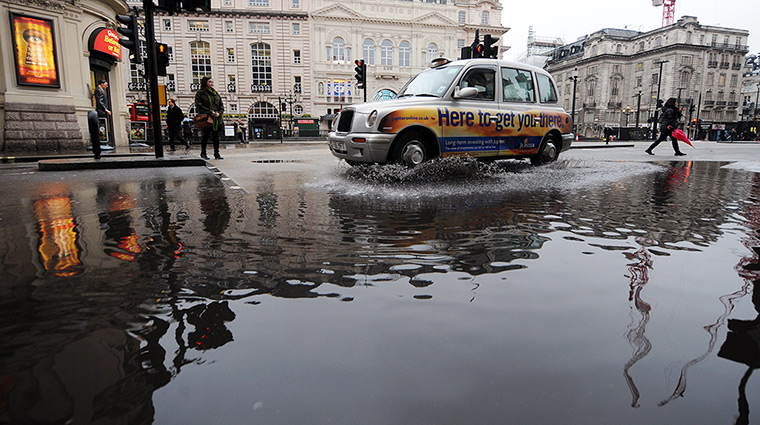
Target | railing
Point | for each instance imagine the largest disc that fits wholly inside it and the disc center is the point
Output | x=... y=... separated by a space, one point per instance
x=171 y=86
x=712 y=64
x=720 y=103
x=137 y=86
x=614 y=105
x=709 y=102
x=725 y=65
x=261 y=88
x=231 y=87
x=589 y=105
x=733 y=104
x=736 y=66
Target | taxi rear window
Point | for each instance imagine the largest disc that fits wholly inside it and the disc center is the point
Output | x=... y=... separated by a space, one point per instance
x=546 y=91
x=517 y=85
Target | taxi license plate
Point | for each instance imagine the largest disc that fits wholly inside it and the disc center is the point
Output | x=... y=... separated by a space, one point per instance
x=338 y=146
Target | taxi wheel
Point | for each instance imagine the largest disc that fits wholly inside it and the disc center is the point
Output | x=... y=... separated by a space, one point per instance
x=410 y=150
x=549 y=152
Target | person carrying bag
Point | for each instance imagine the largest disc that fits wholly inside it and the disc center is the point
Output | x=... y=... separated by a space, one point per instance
x=208 y=101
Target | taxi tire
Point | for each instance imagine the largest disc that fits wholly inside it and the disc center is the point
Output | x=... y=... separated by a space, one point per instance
x=548 y=152
x=410 y=150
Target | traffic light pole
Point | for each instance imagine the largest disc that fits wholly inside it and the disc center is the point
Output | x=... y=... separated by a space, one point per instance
x=152 y=70
x=657 y=111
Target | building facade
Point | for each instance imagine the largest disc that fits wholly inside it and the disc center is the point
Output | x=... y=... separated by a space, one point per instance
x=52 y=54
x=617 y=74
x=294 y=59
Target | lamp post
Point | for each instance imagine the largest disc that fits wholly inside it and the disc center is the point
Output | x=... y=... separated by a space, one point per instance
x=656 y=111
x=627 y=111
x=574 y=77
x=757 y=97
x=638 y=107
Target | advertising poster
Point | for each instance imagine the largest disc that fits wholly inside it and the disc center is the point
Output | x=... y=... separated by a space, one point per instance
x=103 y=129
x=137 y=132
x=34 y=51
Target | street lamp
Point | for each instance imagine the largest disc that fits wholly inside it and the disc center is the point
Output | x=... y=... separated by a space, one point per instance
x=638 y=107
x=657 y=111
x=627 y=111
x=574 y=77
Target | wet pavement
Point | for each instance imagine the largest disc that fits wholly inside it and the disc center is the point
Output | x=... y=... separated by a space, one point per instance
x=279 y=286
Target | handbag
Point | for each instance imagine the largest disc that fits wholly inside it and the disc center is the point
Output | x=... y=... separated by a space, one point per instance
x=203 y=121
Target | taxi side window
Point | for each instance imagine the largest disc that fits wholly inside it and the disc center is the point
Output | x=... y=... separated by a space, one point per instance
x=517 y=85
x=483 y=79
x=546 y=91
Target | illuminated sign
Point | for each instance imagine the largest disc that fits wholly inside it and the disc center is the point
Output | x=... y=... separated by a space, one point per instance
x=34 y=51
x=106 y=40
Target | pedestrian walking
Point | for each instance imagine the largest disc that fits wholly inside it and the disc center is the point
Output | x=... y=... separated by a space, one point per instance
x=187 y=131
x=174 y=117
x=208 y=101
x=101 y=100
x=668 y=122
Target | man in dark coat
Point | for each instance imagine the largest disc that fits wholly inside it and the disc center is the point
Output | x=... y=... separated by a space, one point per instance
x=101 y=100
x=174 y=117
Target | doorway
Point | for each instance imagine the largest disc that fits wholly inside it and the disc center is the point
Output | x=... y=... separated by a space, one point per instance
x=105 y=124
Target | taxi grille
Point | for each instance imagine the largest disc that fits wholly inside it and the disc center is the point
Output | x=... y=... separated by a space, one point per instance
x=346 y=117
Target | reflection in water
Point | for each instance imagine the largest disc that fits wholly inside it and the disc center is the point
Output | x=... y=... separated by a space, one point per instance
x=742 y=343
x=639 y=272
x=57 y=245
x=172 y=272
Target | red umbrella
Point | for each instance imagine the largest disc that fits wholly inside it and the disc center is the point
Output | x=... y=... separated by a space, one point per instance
x=678 y=134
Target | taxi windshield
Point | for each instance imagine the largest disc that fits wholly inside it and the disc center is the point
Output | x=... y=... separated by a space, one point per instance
x=431 y=82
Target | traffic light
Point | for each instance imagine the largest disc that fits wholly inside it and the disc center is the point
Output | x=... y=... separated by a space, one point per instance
x=692 y=108
x=131 y=31
x=170 y=5
x=478 y=52
x=162 y=59
x=361 y=73
x=659 y=103
x=489 y=50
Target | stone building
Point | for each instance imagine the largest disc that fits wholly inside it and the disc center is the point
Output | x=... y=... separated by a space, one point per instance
x=296 y=57
x=52 y=53
x=617 y=75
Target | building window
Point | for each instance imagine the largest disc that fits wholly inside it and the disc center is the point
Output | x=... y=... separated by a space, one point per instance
x=296 y=57
x=368 y=51
x=686 y=60
x=484 y=18
x=734 y=80
x=296 y=28
x=296 y=4
x=685 y=77
x=228 y=2
x=259 y=27
x=170 y=53
x=386 y=53
x=200 y=60
x=640 y=66
x=199 y=26
x=228 y=27
x=233 y=107
x=264 y=110
x=619 y=48
x=258 y=3
x=432 y=52
x=135 y=77
x=298 y=110
x=167 y=24
x=297 y=86
x=404 y=54
x=710 y=80
x=338 y=50
x=230 y=55
x=616 y=69
x=261 y=67
x=615 y=91
x=462 y=17
x=722 y=80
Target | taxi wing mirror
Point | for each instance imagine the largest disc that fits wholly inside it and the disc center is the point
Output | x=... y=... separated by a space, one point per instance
x=465 y=93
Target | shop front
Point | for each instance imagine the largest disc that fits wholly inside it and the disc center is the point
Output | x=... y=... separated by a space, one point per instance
x=53 y=54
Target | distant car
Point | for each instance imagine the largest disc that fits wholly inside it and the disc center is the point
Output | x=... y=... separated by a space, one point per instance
x=484 y=108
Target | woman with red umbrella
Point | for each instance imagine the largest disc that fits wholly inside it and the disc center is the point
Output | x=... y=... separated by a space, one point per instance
x=668 y=122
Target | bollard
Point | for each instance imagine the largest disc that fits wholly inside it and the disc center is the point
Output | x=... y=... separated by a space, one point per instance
x=92 y=123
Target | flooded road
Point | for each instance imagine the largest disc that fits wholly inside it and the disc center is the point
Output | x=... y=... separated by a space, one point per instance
x=459 y=292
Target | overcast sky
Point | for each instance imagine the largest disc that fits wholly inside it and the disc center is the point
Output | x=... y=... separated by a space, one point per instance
x=572 y=19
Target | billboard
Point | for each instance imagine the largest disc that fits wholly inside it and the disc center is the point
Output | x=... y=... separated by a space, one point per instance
x=34 y=51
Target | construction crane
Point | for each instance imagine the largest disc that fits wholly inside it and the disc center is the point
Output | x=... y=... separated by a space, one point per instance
x=668 y=10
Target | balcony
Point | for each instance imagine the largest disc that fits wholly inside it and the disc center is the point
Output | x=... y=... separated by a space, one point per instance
x=736 y=66
x=720 y=103
x=589 y=105
x=231 y=87
x=709 y=103
x=614 y=105
x=261 y=88
x=712 y=64
x=733 y=104
x=725 y=65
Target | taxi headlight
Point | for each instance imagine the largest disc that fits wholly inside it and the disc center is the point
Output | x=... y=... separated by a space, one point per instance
x=372 y=118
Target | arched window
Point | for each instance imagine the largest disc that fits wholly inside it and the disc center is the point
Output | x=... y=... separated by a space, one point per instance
x=619 y=48
x=404 y=54
x=484 y=17
x=384 y=94
x=261 y=68
x=200 y=61
x=338 y=50
x=263 y=110
x=386 y=53
x=432 y=52
x=368 y=52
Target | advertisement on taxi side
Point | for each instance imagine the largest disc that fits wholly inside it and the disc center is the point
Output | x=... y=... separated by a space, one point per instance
x=474 y=131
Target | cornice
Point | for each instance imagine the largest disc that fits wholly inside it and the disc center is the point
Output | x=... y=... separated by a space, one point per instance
x=59 y=6
x=238 y=13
